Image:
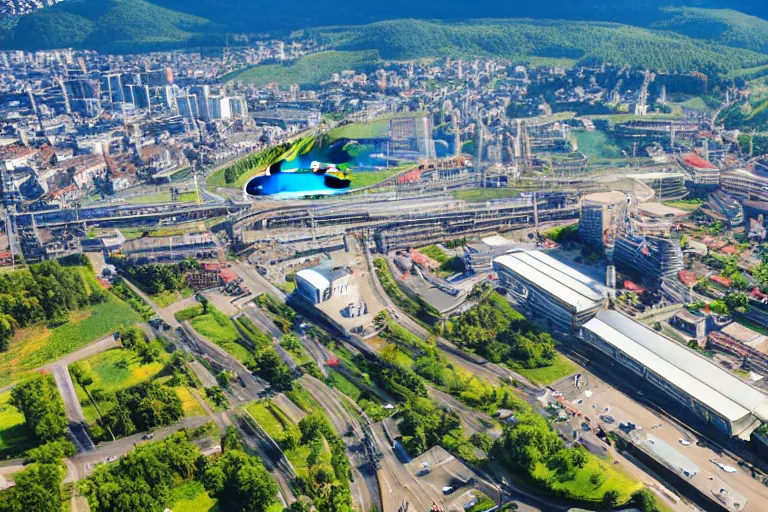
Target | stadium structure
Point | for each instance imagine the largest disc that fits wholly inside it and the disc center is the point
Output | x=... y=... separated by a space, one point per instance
x=554 y=293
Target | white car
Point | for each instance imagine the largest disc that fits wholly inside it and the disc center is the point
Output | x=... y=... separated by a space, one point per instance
x=684 y=442
x=112 y=458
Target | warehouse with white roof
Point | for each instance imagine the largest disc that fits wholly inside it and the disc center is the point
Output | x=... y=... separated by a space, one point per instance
x=554 y=294
x=710 y=392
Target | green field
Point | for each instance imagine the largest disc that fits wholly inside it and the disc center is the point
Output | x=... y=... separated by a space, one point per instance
x=13 y=434
x=219 y=329
x=191 y=497
x=269 y=417
x=343 y=384
x=378 y=129
x=301 y=397
x=435 y=253
x=596 y=144
x=582 y=488
x=368 y=178
x=309 y=70
x=118 y=369
x=165 y=298
x=112 y=371
x=38 y=345
x=560 y=367
x=484 y=194
x=688 y=205
x=275 y=422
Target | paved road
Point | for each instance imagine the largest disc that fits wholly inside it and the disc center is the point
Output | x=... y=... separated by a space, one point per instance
x=97 y=347
x=473 y=364
x=473 y=420
x=66 y=387
x=68 y=393
x=256 y=283
x=253 y=385
x=82 y=464
x=365 y=485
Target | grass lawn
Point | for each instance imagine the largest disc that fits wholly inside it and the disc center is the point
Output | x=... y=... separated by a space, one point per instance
x=112 y=371
x=361 y=179
x=274 y=422
x=191 y=497
x=485 y=194
x=218 y=328
x=392 y=354
x=269 y=417
x=596 y=144
x=287 y=286
x=165 y=299
x=38 y=345
x=483 y=502
x=303 y=399
x=581 y=487
x=435 y=253
x=373 y=130
x=189 y=402
x=343 y=384
x=299 y=455
x=13 y=434
x=688 y=205
x=132 y=233
x=562 y=367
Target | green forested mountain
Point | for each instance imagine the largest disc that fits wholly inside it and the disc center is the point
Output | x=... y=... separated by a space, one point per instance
x=725 y=26
x=587 y=42
x=674 y=39
x=107 y=25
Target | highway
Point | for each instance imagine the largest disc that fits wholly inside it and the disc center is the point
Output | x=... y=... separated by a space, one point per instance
x=473 y=364
x=365 y=485
x=82 y=464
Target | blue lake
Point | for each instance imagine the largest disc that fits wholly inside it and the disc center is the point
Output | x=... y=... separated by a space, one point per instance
x=285 y=182
x=290 y=184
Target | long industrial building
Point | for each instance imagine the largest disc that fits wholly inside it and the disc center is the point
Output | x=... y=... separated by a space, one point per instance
x=552 y=292
x=711 y=393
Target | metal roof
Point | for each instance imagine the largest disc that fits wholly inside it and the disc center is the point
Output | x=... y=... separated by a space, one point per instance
x=554 y=277
x=711 y=385
x=314 y=278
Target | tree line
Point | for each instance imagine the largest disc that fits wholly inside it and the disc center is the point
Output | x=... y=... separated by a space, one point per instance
x=496 y=331
x=45 y=292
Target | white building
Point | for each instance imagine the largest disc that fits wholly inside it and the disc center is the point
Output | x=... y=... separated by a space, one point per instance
x=704 y=388
x=319 y=285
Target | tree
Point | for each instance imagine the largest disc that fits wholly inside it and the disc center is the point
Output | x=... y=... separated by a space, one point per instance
x=7 y=330
x=50 y=453
x=268 y=365
x=644 y=500
x=37 y=489
x=217 y=396
x=143 y=479
x=529 y=442
x=40 y=403
x=203 y=302
x=736 y=301
x=611 y=499
x=230 y=440
x=482 y=440
x=240 y=482
x=565 y=462
x=143 y=407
